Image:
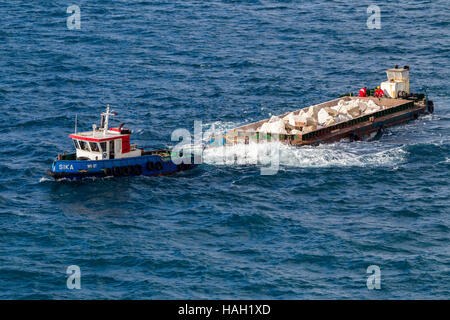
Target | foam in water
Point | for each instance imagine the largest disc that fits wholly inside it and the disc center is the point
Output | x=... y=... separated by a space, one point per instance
x=339 y=154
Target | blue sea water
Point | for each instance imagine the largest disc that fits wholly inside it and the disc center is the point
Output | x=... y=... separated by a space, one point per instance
x=222 y=230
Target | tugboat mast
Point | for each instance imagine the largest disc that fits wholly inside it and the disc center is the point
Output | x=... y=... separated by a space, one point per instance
x=105 y=115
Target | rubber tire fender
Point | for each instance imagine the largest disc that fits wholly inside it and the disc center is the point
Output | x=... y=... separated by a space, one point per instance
x=150 y=166
x=117 y=171
x=137 y=170
x=158 y=166
x=125 y=171
x=107 y=172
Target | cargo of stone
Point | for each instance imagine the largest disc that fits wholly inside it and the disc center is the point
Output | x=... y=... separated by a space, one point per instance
x=317 y=117
x=274 y=125
x=348 y=117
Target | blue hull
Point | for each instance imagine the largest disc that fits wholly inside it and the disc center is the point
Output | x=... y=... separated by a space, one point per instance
x=148 y=165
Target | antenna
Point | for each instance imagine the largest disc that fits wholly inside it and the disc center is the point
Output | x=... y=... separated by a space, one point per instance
x=76 y=120
x=107 y=114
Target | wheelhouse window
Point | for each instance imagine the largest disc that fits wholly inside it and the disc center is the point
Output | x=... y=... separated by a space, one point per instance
x=103 y=146
x=83 y=145
x=94 y=146
x=75 y=144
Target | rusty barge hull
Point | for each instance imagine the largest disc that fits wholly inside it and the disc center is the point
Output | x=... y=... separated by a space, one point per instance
x=397 y=111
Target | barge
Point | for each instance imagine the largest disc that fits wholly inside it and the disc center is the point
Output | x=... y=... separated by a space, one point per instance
x=105 y=152
x=348 y=117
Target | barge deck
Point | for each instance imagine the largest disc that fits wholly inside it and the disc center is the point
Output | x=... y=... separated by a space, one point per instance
x=394 y=112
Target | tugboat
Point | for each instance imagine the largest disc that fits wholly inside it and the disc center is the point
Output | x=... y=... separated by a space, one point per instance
x=105 y=152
